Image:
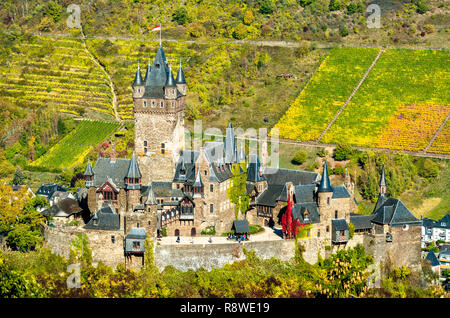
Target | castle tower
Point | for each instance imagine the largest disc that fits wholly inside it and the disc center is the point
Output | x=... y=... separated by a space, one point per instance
x=325 y=190
x=381 y=190
x=159 y=119
x=133 y=184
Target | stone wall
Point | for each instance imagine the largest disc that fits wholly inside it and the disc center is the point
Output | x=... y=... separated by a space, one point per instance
x=187 y=256
x=59 y=241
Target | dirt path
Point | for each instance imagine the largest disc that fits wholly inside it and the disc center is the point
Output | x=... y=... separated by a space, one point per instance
x=437 y=133
x=102 y=67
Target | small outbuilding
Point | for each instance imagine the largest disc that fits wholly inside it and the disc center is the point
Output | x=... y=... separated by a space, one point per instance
x=241 y=227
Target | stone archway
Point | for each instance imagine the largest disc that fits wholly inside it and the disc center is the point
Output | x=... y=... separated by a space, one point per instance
x=193 y=232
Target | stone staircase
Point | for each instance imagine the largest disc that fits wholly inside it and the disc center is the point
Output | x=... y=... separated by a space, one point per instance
x=351 y=95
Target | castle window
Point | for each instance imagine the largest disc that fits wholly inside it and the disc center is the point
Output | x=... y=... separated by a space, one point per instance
x=328 y=228
x=328 y=201
x=157 y=66
x=211 y=208
x=153 y=103
x=211 y=188
x=113 y=239
x=145 y=143
x=205 y=172
x=137 y=224
x=136 y=245
x=163 y=148
x=178 y=185
x=336 y=214
x=162 y=104
x=145 y=103
x=318 y=233
x=145 y=150
x=139 y=90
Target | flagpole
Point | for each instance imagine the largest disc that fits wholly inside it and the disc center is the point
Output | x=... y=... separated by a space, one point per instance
x=160 y=27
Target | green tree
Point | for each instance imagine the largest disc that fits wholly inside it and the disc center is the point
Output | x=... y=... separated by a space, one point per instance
x=334 y=5
x=305 y=3
x=344 y=30
x=422 y=6
x=19 y=177
x=429 y=169
x=180 y=16
x=267 y=7
x=300 y=157
x=53 y=10
x=236 y=193
x=342 y=152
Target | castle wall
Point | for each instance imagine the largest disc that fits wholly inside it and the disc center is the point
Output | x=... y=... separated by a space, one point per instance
x=59 y=240
x=185 y=257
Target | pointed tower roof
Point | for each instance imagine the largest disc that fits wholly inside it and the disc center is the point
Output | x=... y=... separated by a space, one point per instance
x=151 y=198
x=138 y=78
x=254 y=170
x=383 y=177
x=198 y=180
x=147 y=73
x=170 y=81
x=180 y=75
x=325 y=184
x=159 y=70
x=242 y=154
x=133 y=169
x=89 y=171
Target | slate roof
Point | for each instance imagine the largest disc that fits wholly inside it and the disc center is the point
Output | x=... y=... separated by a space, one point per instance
x=180 y=76
x=325 y=184
x=269 y=196
x=138 y=78
x=381 y=199
x=48 y=189
x=170 y=80
x=107 y=219
x=433 y=259
x=162 y=188
x=88 y=171
x=383 y=177
x=150 y=198
x=281 y=176
x=249 y=187
x=299 y=210
x=361 y=222
x=136 y=233
x=394 y=213
x=241 y=226
x=339 y=225
x=302 y=193
x=219 y=173
x=254 y=171
x=426 y=222
x=133 y=169
x=63 y=208
x=116 y=170
x=340 y=192
x=187 y=160
x=443 y=223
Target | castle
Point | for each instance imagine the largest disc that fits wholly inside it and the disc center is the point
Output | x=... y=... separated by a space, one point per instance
x=165 y=189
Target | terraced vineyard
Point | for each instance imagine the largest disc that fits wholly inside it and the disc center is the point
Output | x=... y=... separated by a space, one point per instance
x=74 y=147
x=54 y=72
x=325 y=93
x=378 y=115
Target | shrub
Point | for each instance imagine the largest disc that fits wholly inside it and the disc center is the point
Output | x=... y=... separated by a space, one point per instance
x=300 y=157
x=239 y=32
x=304 y=3
x=322 y=152
x=342 y=152
x=334 y=5
x=339 y=170
x=180 y=16
x=344 y=30
x=248 y=17
x=267 y=7
x=422 y=6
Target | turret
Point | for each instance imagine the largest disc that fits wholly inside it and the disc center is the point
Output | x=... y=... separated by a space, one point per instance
x=180 y=81
x=133 y=177
x=89 y=176
x=170 y=89
x=325 y=190
x=382 y=184
x=138 y=84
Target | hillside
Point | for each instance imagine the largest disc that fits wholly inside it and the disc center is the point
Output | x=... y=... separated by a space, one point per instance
x=400 y=105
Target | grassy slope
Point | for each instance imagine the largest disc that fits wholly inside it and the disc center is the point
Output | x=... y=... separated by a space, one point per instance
x=49 y=72
x=399 y=77
x=325 y=93
x=73 y=148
